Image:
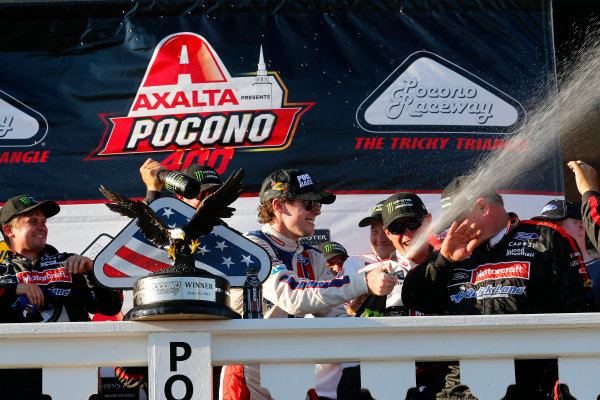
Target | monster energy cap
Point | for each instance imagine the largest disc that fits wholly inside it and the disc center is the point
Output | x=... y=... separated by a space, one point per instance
x=204 y=174
x=294 y=183
x=22 y=204
x=375 y=215
x=402 y=205
x=332 y=249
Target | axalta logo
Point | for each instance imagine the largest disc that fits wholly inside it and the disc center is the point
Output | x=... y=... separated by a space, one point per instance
x=188 y=100
x=500 y=271
x=20 y=125
x=428 y=93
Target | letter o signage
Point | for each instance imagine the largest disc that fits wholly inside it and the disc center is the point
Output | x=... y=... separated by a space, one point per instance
x=189 y=388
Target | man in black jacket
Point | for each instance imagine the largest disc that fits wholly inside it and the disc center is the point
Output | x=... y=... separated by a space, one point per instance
x=39 y=284
x=493 y=263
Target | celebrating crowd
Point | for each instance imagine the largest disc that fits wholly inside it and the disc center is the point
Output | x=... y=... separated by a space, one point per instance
x=490 y=262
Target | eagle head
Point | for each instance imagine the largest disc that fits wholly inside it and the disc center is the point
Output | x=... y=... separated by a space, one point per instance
x=177 y=234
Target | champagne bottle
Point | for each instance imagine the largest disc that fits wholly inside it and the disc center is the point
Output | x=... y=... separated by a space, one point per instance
x=180 y=184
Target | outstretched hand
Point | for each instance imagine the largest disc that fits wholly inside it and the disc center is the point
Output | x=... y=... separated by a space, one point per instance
x=586 y=176
x=461 y=241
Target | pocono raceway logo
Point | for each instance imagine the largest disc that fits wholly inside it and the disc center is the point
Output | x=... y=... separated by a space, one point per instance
x=188 y=100
x=20 y=125
x=428 y=93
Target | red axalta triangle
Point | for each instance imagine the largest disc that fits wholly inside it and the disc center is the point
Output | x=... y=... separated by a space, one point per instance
x=183 y=54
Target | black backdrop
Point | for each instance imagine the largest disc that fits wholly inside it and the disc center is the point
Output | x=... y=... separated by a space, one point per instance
x=79 y=63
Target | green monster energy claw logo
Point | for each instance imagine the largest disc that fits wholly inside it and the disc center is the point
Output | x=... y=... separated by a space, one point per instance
x=26 y=200
x=328 y=248
x=390 y=207
x=371 y=313
x=199 y=176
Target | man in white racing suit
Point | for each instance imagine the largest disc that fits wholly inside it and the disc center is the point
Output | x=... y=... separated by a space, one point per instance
x=299 y=283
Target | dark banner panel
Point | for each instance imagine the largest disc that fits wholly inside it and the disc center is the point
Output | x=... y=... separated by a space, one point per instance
x=365 y=96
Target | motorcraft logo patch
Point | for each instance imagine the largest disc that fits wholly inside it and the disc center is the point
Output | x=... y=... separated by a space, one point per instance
x=44 y=277
x=500 y=271
x=20 y=125
x=428 y=93
x=188 y=100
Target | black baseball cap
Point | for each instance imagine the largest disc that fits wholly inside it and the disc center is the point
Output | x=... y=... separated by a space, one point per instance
x=375 y=215
x=557 y=210
x=332 y=249
x=204 y=174
x=294 y=183
x=22 y=204
x=402 y=205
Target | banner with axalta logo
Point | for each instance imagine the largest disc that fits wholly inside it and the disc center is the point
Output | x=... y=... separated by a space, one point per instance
x=187 y=100
x=366 y=98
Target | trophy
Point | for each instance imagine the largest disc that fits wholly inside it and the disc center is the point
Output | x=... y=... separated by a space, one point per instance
x=181 y=291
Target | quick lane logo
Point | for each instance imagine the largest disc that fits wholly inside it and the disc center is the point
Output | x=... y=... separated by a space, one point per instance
x=20 y=125
x=500 y=271
x=188 y=100
x=427 y=93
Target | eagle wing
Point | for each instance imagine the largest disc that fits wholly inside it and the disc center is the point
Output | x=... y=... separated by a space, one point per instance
x=149 y=223
x=215 y=207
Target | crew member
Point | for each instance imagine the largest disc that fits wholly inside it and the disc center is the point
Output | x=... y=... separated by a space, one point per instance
x=493 y=263
x=39 y=284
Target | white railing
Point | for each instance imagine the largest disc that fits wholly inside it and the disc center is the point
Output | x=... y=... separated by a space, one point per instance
x=180 y=351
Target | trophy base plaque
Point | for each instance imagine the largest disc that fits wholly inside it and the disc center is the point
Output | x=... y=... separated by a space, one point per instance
x=167 y=295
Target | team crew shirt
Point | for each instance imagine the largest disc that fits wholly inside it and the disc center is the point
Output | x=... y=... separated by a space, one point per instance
x=535 y=267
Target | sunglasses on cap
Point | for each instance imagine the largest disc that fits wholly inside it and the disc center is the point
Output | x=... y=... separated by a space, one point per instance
x=310 y=204
x=397 y=228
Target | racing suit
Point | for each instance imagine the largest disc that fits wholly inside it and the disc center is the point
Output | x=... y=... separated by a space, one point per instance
x=353 y=264
x=299 y=284
x=400 y=266
x=67 y=297
x=590 y=211
x=535 y=267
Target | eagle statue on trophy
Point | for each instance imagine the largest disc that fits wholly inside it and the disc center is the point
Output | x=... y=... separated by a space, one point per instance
x=180 y=242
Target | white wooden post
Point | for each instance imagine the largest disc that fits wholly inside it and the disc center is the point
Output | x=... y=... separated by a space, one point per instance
x=179 y=366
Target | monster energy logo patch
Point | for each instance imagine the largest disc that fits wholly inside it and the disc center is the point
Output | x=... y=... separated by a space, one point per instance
x=390 y=207
x=333 y=247
x=201 y=176
x=27 y=200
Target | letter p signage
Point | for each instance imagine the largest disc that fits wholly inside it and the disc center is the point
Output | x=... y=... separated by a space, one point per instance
x=179 y=366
